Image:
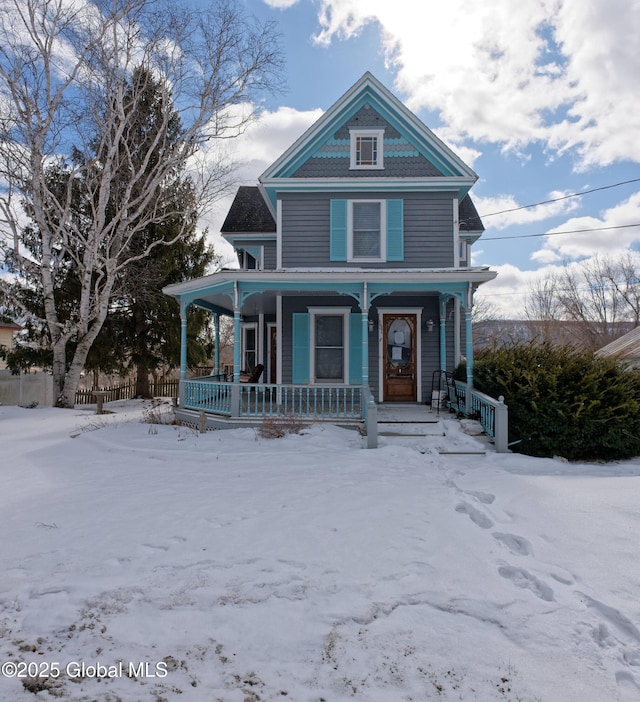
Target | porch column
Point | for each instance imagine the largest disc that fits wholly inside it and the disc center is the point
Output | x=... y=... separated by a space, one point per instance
x=183 y=340
x=237 y=339
x=216 y=330
x=183 y=354
x=469 y=348
x=365 y=335
x=443 y=333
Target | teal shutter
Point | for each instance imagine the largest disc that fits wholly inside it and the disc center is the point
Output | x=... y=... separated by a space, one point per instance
x=338 y=225
x=395 y=230
x=301 y=354
x=355 y=349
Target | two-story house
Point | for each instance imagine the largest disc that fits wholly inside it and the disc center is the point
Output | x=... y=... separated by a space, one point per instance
x=355 y=282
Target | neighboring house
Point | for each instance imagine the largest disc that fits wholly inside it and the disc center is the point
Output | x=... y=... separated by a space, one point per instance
x=355 y=270
x=7 y=332
x=626 y=348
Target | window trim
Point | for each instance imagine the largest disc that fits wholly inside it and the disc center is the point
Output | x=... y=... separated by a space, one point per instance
x=351 y=258
x=244 y=328
x=343 y=312
x=379 y=134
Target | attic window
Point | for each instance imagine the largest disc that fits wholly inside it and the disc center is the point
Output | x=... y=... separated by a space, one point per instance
x=367 y=148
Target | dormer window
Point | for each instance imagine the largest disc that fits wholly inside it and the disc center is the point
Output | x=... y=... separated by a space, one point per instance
x=250 y=259
x=367 y=148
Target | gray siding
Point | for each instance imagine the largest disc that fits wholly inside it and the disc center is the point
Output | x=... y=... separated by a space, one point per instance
x=428 y=230
x=430 y=345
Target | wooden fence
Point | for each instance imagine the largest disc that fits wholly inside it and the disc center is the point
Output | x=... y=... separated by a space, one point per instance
x=127 y=391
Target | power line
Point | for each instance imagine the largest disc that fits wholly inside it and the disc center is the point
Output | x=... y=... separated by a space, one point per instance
x=572 y=231
x=564 y=197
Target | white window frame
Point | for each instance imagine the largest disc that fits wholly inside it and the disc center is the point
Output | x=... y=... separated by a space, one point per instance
x=383 y=233
x=379 y=135
x=246 y=326
x=343 y=312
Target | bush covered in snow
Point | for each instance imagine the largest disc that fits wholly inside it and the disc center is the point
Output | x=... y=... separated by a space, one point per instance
x=564 y=401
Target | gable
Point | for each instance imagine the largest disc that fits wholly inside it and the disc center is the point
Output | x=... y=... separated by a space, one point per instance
x=402 y=157
x=412 y=152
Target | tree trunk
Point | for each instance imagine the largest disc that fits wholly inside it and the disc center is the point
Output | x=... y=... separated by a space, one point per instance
x=142 y=371
x=59 y=372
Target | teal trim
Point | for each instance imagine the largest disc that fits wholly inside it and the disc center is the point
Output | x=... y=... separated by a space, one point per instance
x=216 y=358
x=395 y=230
x=183 y=342
x=237 y=348
x=300 y=356
x=355 y=349
x=412 y=133
x=338 y=226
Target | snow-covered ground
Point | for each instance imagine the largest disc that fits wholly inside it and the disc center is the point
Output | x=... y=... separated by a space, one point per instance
x=150 y=562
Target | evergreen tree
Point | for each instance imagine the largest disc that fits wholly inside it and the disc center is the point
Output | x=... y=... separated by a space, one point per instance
x=142 y=327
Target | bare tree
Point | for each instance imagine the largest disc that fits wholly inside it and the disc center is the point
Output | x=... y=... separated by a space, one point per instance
x=67 y=106
x=588 y=297
x=624 y=276
x=589 y=304
x=542 y=307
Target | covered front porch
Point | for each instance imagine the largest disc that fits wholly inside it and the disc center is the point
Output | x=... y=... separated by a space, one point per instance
x=273 y=315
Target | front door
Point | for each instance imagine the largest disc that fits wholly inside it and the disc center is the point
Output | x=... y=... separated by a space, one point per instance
x=399 y=358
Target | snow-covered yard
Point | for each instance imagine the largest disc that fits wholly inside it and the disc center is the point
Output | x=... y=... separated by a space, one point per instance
x=224 y=566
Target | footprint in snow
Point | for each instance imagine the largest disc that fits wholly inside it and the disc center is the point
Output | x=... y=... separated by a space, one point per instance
x=527 y=581
x=628 y=687
x=518 y=545
x=155 y=547
x=475 y=515
x=485 y=497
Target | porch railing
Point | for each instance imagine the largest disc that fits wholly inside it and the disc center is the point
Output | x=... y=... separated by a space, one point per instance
x=261 y=400
x=208 y=394
x=491 y=413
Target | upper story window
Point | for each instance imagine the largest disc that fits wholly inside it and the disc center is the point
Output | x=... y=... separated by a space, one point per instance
x=366 y=225
x=366 y=230
x=367 y=148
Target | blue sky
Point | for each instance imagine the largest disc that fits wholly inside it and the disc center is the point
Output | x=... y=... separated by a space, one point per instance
x=539 y=98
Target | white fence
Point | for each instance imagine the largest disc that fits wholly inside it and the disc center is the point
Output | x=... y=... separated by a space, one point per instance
x=26 y=388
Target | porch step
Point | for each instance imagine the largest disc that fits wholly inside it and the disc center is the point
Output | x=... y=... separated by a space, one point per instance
x=409 y=430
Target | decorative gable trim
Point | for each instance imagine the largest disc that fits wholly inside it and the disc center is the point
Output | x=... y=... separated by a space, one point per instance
x=319 y=141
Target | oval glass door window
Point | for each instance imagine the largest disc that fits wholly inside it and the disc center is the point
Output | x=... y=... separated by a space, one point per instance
x=399 y=341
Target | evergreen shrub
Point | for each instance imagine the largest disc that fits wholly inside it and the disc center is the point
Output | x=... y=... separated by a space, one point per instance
x=564 y=401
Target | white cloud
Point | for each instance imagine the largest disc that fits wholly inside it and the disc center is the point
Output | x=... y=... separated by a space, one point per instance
x=559 y=72
x=262 y=143
x=504 y=211
x=280 y=4
x=611 y=242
